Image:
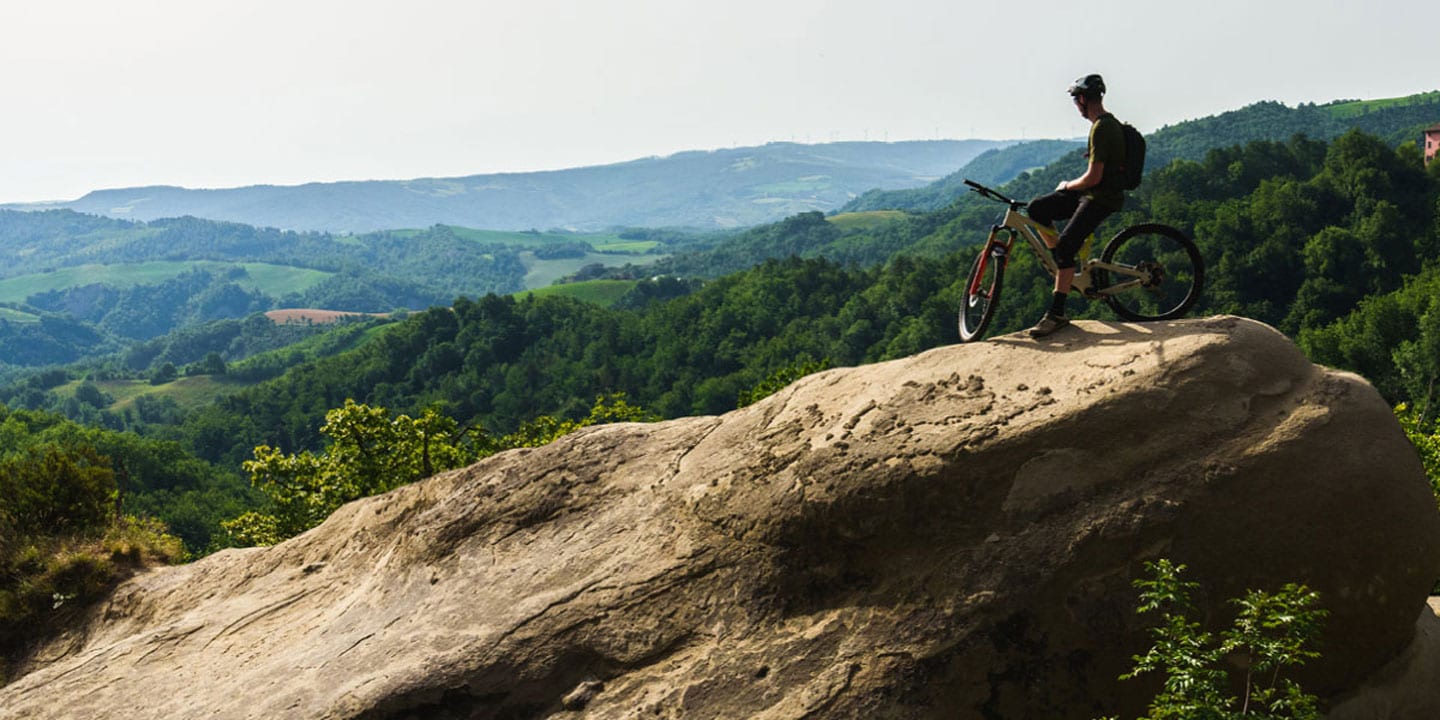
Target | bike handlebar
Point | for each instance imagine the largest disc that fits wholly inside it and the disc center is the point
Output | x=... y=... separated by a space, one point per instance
x=993 y=195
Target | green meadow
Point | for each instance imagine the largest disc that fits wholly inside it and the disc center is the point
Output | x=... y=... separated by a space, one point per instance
x=868 y=220
x=600 y=292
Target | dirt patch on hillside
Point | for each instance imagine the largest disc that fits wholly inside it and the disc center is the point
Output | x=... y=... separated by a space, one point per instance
x=313 y=316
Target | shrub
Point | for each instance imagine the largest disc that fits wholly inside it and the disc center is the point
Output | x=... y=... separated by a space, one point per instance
x=47 y=582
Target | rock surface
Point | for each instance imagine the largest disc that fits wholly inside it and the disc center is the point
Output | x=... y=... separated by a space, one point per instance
x=949 y=535
x=1405 y=687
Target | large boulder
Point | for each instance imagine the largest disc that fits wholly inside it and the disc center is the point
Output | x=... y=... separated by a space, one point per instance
x=949 y=535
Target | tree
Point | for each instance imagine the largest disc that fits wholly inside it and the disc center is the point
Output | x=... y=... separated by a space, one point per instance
x=213 y=364
x=1425 y=436
x=165 y=374
x=1272 y=632
x=1418 y=362
x=368 y=452
x=51 y=488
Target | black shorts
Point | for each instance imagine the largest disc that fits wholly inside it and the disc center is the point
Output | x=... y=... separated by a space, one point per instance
x=1084 y=215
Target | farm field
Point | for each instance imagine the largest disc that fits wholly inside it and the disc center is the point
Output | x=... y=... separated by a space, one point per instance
x=311 y=315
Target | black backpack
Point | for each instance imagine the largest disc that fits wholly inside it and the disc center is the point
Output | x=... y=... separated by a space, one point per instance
x=1134 y=166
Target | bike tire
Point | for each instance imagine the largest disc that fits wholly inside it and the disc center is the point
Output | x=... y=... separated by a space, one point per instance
x=981 y=293
x=1176 y=272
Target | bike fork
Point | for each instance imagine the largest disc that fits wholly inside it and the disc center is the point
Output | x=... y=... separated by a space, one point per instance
x=994 y=252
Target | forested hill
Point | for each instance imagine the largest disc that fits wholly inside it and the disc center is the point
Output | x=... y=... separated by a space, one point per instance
x=717 y=189
x=1394 y=120
x=992 y=167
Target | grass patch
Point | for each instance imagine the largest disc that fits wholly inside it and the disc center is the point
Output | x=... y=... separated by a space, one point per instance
x=543 y=273
x=601 y=292
x=631 y=247
x=1353 y=108
x=865 y=220
x=48 y=583
x=190 y=392
x=277 y=280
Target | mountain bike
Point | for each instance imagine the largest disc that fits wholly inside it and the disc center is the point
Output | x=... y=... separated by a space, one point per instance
x=1146 y=272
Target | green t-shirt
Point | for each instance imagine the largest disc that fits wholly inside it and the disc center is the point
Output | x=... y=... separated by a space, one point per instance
x=1107 y=145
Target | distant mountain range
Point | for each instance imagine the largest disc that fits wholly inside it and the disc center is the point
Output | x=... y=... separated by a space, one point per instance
x=698 y=189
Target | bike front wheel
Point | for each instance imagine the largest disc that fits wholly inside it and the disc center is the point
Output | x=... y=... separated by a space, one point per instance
x=982 y=292
x=1160 y=273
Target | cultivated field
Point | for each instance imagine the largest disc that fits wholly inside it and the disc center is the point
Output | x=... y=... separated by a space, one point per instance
x=313 y=316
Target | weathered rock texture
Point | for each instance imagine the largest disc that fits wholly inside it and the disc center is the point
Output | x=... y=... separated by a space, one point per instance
x=952 y=535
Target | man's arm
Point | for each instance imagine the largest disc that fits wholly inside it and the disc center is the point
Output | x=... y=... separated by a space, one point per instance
x=1093 y=173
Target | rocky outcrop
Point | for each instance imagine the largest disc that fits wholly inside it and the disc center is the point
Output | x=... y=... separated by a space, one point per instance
x=949 y=535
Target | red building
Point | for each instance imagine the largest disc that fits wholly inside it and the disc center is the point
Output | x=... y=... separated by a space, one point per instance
x=1432 y=142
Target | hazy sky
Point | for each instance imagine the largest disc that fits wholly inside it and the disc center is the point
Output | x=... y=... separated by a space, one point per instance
x=221 y=93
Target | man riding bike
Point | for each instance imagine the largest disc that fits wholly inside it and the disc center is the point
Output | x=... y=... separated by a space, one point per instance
x=1087 y=200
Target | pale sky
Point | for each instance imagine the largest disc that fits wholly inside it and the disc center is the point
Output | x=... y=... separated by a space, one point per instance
x=223 y=93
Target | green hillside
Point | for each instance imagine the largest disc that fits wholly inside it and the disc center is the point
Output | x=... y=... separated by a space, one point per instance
x=188 y=393
x=1342 y=110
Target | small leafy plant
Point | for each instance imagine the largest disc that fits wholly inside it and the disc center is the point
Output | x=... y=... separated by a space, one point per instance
x=1425 y=436
x=1272 y=633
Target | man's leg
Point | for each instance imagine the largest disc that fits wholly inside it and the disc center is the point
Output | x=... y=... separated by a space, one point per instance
x=1046 y=209
x=1086 y=219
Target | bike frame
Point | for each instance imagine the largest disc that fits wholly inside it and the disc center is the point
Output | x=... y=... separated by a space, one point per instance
x=1001 y=240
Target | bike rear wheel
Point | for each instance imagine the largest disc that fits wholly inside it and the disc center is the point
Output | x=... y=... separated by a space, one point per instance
x=982 y=292
x=1170 y=269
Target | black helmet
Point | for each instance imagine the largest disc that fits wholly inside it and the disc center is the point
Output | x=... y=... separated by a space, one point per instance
x=1091 y=86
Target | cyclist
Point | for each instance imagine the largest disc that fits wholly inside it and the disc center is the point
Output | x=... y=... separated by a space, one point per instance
x=1087 y=200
